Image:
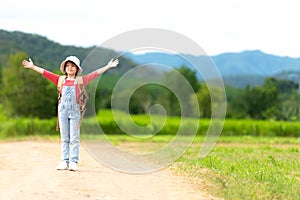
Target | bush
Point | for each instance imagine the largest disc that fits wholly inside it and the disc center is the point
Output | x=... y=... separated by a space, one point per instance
x=26 y=127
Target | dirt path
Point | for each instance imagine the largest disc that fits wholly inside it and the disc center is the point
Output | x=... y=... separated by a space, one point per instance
x=27 y=171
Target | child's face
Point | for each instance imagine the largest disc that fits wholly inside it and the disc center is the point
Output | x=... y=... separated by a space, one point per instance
x=71 y=68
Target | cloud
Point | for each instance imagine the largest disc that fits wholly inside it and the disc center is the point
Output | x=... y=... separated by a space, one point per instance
x=218 y=26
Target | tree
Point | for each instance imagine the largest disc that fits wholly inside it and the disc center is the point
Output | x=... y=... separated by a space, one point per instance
x=26 y=93
x=204 y=101
x=287 y=100
x=190 y=76
x=235 y=105
x=180 y=81
x=261 y=102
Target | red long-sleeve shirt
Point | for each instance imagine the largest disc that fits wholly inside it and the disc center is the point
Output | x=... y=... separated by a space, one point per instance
x=86 y=79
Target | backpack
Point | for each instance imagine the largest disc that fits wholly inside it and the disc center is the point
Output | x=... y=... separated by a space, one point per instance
x=82 y=98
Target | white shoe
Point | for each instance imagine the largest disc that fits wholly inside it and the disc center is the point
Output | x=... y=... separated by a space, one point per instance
x=73 y=166
x=63 y=165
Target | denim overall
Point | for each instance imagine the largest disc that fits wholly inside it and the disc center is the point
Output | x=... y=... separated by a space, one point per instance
x=69 y=116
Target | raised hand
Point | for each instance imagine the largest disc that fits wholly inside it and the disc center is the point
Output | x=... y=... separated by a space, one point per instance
x=28 y=64
x=113 y=63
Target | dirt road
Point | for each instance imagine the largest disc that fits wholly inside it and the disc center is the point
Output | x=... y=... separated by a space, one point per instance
x=27 y=171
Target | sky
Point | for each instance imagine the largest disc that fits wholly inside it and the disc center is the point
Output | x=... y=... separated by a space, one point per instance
x=218 y=26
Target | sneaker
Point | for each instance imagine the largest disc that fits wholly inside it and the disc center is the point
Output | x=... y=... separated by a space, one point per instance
x=63 y=165
x=73 y=166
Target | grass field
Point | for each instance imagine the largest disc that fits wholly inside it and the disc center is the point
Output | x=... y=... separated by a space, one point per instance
x=238 y=167
x=251 y=160
x=266 y=169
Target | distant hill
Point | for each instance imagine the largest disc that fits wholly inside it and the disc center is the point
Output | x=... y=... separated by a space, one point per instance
x=237 y=69
x=50 y=54
x=254 y=63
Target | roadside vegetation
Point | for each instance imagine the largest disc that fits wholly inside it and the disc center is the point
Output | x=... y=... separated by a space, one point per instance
x=251 y=160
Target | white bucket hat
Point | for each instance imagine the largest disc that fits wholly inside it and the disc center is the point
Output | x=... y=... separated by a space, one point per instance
x=73 y=59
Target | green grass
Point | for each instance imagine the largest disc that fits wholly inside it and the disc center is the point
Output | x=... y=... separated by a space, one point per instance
x=252 y=159
x=232 y=127
x=250 y=170
x=144 y=125
x=237 y=168
x=31 y=138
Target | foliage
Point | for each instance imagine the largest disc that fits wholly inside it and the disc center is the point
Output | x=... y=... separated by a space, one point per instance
x=50 y=54
x=2 y=116
x=23 y=93
x=260 y=100
x=276 y=99
x=15 y=128
x=183 y=84
x=47 y=54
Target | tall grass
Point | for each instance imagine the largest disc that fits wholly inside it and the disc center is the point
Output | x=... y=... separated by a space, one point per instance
x=27 y=127
x=232 y=127
x=33 y=126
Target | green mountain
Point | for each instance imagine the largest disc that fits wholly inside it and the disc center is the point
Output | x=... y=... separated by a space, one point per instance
x=254 y=62
x=50 y=54
x=236 y=69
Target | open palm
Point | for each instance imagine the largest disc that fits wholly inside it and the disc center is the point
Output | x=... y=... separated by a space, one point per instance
x=27 y=64
x=113 y=63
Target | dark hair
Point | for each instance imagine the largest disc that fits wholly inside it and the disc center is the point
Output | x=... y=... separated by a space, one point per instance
x=74 y=64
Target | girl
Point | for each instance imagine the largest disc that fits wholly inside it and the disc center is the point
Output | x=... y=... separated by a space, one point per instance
x=68 y=108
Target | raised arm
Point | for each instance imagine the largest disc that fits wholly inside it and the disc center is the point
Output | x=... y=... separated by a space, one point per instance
x=112 y=63
x=29 y=64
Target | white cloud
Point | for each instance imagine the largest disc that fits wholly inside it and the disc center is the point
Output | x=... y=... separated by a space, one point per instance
x=216 y=25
